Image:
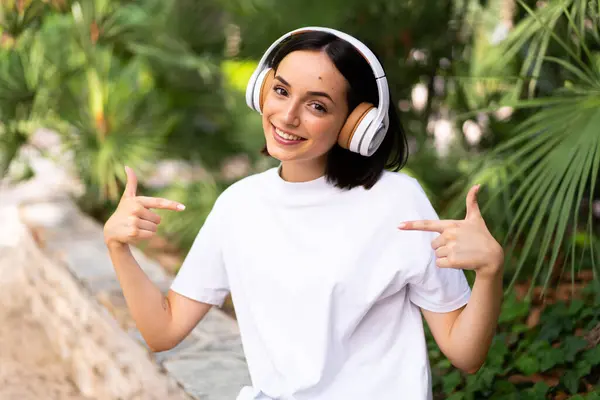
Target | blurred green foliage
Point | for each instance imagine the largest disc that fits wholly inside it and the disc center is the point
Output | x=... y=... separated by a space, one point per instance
x=498 y=92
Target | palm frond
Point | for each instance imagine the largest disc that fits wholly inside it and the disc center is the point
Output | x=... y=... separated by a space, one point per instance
x=132 y=28
x=555 y=152
x=24 y=73
x=126 y=123
x=532 y=37
x=17 y=17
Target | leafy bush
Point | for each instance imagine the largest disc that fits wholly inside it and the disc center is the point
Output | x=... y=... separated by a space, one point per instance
x=552 y=359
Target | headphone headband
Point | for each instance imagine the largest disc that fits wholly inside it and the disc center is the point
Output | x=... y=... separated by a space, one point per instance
x=367 y=54
x=374 y=135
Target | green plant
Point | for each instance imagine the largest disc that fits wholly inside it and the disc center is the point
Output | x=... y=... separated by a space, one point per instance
x=550 y=163
x=24 y=74
x=119 y=87
x=531 y=362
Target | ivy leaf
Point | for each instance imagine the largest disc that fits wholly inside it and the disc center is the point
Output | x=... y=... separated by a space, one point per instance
x=550 y=357
x=513 y=309
x=505 y=387
x=582 y=368
x=575 y=307
x=539 y=390
x=435 y=353
x=537 y=346
x=550 y=331
x=592 y=324
x=473 y=383
x=557 y=311
x=525 y=344
x=571 y=381
x=527 y=364
x=593 y=396
x=451 y=381
x=588 y=312
x=592 y=356
x=519 y=328
x=573 y=345
x=485 y=378
x=498 y=350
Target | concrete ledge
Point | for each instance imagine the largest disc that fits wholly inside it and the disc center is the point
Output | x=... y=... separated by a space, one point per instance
x=106 y=363
x=54 y=256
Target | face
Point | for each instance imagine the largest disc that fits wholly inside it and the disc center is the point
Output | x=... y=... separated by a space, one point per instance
x=305 y=109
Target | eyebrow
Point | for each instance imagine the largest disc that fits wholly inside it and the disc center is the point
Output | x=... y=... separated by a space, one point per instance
x=312 y=93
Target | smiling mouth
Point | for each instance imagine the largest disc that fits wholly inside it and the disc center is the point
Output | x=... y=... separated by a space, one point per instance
x=288 y=137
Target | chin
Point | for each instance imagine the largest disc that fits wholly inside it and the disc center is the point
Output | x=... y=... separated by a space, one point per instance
x=280 y=154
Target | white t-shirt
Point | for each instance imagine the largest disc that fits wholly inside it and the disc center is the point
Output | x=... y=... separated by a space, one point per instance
x=326 y=289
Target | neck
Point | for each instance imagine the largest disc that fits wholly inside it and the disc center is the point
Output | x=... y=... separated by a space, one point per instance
x=302 y=171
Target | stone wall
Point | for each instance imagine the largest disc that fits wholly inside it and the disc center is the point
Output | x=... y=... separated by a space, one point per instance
x=105 y=362
x=53 y=257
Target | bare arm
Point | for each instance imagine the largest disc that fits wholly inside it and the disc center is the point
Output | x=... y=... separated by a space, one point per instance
x=465 y=335
x=163 y=321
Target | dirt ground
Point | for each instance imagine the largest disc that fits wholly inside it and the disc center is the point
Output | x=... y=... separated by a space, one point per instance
x=29 y=368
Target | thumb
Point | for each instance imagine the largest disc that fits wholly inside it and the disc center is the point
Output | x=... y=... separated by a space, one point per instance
x=131 y=186
x=473 y=211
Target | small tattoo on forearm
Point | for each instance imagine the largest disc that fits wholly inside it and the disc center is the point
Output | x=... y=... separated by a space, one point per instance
x=165 y=303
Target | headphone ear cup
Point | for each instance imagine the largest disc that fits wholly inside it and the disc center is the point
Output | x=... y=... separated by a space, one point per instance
x=261 y=88
x=355 y=126
x=265 y=87
x=373 y=137
x=255 y=89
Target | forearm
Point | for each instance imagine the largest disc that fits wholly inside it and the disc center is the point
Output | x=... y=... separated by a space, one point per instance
x=473 y=330
x=148 y=306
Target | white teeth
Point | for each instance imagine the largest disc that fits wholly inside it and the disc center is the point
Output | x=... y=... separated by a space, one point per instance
x=287 y=136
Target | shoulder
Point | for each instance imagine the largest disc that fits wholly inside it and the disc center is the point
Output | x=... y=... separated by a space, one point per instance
x=243 y=189
x=398 y=179
x=407 y=194
x=399 y=184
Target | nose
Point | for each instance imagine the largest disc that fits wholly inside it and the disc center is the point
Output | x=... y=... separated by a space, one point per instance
x=290 y=114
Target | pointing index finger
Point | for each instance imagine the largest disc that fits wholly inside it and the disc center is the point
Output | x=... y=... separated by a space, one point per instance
x=160 y=203
x=427 y=225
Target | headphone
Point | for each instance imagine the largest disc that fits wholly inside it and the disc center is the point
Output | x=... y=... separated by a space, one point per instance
x=366 y=126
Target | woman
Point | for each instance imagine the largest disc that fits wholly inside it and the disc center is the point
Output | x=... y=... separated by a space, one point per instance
x=330 y=258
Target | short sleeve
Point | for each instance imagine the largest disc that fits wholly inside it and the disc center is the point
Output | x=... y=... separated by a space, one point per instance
x=433 y=288
x=202 y=276
x=440 y=289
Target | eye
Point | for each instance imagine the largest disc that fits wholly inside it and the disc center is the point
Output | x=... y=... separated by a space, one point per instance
x=319 y=107
x=279 y=90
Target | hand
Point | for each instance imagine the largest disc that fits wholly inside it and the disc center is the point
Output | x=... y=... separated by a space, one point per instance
x=463 y=244
x=133 y=221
